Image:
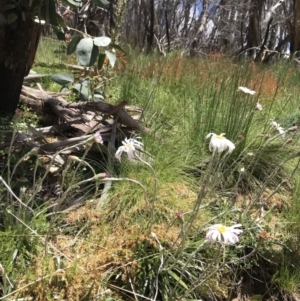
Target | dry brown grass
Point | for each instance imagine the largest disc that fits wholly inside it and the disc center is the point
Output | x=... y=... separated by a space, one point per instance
x=201 y=71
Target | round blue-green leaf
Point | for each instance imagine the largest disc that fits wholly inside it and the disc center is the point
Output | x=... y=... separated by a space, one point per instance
x=73 y=44
x=102 y=41
x=101 y=3
x=117 y=47
x=98 y=97
x=64 y=89
x=63 y=79
x=60 y=35
x=60 y=21
x=48 y=12
x=52 y=12
x=87 y=52
x=111 y=57
x=86 y=82
x=83 y=91
x=94 y=56
x=101 y=59
x=75 y=3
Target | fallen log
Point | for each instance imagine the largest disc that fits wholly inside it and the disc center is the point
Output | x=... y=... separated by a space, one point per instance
x=53 y=103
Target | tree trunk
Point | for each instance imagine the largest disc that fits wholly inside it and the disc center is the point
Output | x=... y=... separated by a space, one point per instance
x=254 y=38
x=17 y=51
x=295 y=41
x=150 y=34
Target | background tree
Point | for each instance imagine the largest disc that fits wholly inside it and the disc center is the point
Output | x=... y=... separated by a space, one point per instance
x=252 y=28
x=19 y=38
x=259 y=29
x=295 y=40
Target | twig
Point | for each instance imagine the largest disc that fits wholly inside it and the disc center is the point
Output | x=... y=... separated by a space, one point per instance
x=128 y=291
x=133 y=291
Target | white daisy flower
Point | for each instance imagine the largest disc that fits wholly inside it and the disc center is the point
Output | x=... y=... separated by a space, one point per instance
x=224 y=235
x=259 y=106
x=279 y=128
x=129 y=146
x=246 y=90
x=218 y=143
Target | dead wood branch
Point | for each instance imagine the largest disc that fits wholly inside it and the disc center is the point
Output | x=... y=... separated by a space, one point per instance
x=61 y=65
x=53 y=103
x=32 y=77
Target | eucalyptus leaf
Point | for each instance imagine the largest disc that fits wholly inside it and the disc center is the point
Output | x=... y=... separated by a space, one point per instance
x=75 y=3
x=60 y=35
x=83 y=91
x=60 y=21
x=2 y=20
x=73 y=44
x=101 y=60
x=111 y=57
x=87 y=52
x=99 y=91
x=117 y=47
x=11 y=18
x=98 y=97
x=64 y=89
x=63 y=79
x=94 y=55
x=48 y=12
x=52 y=12
x=86 y=82
x=84 y=51
x=101 y=3
x=102 y=41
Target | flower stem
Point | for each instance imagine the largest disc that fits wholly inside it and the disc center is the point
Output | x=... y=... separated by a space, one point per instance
x=154 y=190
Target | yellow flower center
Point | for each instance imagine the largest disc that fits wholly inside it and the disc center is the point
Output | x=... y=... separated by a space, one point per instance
x=127 y=145
x=222 y=229
x=220 y=137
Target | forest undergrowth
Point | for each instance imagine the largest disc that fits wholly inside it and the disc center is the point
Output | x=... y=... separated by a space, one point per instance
x=202 y=206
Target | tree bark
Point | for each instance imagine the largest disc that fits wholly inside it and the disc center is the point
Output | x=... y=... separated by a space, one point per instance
x=295 y=41
x=150 y=34
x=17 y=51
x=254 y=37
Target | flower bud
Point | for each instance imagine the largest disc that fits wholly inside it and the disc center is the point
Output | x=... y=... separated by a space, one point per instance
x=74 y=159
x=98 y=137
x=101 y=176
